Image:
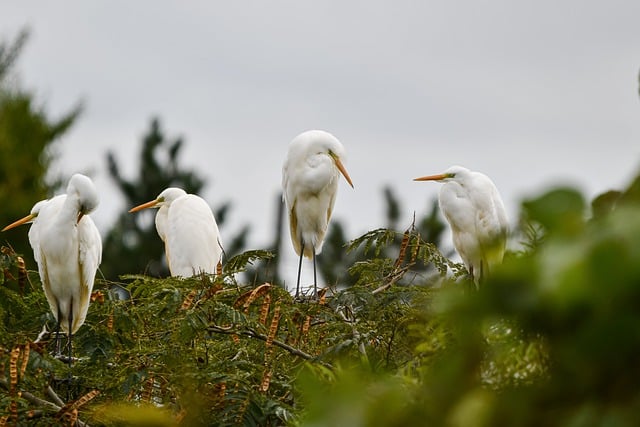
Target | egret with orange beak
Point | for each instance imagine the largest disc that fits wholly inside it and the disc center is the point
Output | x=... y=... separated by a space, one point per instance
x=310 y=176
x=186 y=225
x=473 y=208
x=68 y=249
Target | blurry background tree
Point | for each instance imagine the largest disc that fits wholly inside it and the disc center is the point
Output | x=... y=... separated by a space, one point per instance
x=132 y=246
x=268 y=270
x=27 y=137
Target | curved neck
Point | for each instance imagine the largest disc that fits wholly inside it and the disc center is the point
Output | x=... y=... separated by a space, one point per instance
x=70 y=210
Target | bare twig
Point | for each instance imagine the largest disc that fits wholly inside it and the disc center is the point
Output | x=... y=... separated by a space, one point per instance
x=56 y=399
x=253 y=334
x=395 y=276
x=30 y=397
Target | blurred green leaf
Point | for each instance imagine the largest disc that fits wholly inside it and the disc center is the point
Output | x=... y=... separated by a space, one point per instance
x=560 y=211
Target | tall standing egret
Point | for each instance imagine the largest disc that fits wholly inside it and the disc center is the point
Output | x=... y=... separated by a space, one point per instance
x=186 y=225
x=473 y=208
x=310 y=177
x=68 y=249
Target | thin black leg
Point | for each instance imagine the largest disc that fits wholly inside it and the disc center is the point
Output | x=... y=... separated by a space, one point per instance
x=70 y=351
x=58 y=350
x=315 y=281
x=70 y=335
x=299 y=270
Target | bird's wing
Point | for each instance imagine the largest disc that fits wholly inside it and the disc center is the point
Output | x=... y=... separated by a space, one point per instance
x=46 y=282
x=48 y=212
x=193 y=237
x=285 y=182
x=89 y=258
x=459 y=212
x=293 y=227
x=491 y=218
x=330 y=204
x=491 y=226
x=34 y=240
x=289 y=192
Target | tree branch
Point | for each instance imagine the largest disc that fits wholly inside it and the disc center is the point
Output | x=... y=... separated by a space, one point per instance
x=253 y=334
x=41 y=402
x=395 y=276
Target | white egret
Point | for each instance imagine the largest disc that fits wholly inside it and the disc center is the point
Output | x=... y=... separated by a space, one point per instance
x=186 y=225
x=68 y=249
x=473 y=208
x=310 y=177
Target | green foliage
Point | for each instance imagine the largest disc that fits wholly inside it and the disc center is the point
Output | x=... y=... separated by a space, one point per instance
x=550 y=339
x=209 y=350
x=334 y=262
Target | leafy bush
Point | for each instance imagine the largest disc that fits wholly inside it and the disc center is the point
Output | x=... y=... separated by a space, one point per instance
x=552 y=338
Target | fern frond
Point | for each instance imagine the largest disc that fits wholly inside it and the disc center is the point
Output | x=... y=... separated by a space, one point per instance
x=376 y=239
x=240 y=262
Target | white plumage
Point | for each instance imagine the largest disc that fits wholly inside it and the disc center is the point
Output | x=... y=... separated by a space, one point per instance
x=474 y=209
x=310 y=177
x=68 y=249
x=187 y=226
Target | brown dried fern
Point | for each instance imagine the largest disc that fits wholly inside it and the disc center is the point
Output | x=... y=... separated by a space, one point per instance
x=97 y=297
x=13 y=368
x=266 y=380
x=147 y=389
x=273 y=328
x=23 y=277
x=25 y=359
x=322 y=295
x=264 y=309
x=245 y=300
x=403 y=249
x=305 y=326
x=69 y=412
x=110 y=320
x=188 y=301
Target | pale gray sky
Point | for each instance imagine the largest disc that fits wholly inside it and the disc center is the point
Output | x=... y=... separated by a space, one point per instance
x=531 y=93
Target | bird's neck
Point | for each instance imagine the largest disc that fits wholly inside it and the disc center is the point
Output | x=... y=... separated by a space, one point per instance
x=70 y=210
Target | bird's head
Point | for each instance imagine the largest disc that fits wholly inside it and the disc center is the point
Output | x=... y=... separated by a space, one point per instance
x=452 y=173
x=319 y=142
x=83 y=189
x=164 y=199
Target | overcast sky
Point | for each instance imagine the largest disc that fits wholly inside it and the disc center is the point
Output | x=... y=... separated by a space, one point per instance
x=532 y=93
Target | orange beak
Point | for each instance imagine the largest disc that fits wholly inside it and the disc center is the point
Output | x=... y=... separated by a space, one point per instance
x=21 y=221
x=437 y=177
x=342 y=170
x=144 y=206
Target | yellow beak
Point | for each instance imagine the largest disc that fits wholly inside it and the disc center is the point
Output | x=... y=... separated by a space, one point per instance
x=145 y=206
x=342 y=169
x=21 y=221
x=437 y=177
